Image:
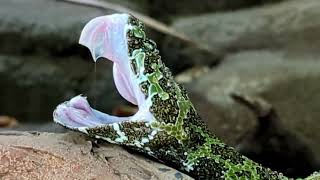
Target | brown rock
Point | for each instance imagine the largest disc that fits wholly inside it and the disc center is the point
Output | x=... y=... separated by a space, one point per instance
x=8 y=122
x=71 y=156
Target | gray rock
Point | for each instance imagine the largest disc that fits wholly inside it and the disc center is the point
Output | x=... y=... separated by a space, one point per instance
x=289 y=84
x=136 y=5
x=56 y=32
x=25 y=28
x=291 y=25
x=167 y=10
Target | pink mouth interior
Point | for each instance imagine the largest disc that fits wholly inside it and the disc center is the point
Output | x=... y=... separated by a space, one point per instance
x=105 y=36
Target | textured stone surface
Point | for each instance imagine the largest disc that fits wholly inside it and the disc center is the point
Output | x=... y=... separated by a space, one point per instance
x=55 y=32
x=291 y=25
x=72 y=156
x=167 y=10
x=288 y=83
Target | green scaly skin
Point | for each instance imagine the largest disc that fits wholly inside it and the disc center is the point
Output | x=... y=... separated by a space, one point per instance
x=176 y=136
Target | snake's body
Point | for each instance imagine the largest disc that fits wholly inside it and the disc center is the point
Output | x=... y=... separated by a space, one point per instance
x=175 y=134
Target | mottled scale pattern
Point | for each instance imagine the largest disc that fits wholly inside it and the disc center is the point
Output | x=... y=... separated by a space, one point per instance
x=183 y=140
x=175 y=135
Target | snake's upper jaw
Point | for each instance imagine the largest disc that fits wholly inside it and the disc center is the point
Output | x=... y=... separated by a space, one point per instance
x=106 y=37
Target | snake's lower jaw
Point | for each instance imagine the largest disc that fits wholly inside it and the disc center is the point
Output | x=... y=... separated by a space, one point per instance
x=77 y=114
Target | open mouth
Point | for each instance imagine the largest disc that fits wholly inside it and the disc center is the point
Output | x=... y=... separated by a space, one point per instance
x=105 y=37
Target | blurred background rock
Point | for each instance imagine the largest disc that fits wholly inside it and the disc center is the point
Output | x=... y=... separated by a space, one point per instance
x=267 y=49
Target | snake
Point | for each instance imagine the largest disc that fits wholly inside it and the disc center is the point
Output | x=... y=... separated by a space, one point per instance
x=166 y=125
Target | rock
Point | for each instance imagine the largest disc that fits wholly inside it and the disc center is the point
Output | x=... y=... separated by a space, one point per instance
x=179 y=55
x=73 y=156
x=289 y=83
x=166 y=10
x=191 y=74
x=291 y=25
x=272 y=144
x=8 y=122
x=32 y=86
x=55 y=32
x=136 y=5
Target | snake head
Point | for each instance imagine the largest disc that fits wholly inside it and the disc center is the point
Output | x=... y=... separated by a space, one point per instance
x=141 y=78
x=106 y=38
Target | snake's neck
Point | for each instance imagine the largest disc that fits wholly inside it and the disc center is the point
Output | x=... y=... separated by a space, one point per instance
x=184 y=140
x=203 y=156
